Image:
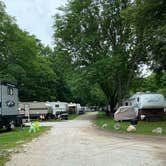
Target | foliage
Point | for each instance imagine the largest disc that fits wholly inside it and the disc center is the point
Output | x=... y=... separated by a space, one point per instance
x=40 y=73
x=25 y=61
x=151 y=83
x=73 y=116
x=148 y=18
x=100 y=47
x=95 y=37
x=74 y=86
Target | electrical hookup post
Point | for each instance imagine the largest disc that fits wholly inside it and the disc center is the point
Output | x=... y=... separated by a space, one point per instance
x=34 y=127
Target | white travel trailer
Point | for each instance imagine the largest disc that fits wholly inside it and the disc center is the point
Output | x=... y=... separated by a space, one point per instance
x=8 y=104
x=33 y=109
x=60 y=109
x=165 y=106
x=78 y=110
x=148 y=104
x=74 y=108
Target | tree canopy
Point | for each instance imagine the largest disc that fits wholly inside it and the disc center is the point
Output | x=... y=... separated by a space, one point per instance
x=109 y=41
x=100 y=47
x=24 y=61
x=98 y=40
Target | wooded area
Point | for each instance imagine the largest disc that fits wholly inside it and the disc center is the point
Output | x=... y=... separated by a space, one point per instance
x=100 y=48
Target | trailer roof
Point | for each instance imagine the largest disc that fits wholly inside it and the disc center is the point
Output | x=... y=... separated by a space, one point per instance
x=3 y=82
x=142 y=94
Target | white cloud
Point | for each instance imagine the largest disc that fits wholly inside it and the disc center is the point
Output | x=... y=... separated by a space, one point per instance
x=35 y=16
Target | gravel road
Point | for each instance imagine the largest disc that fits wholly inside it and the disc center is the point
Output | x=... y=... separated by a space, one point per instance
x=80 y=143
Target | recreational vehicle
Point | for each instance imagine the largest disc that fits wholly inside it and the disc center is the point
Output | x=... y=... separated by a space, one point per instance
x=34 y=110
x=151 y=105
x=60 y=109
x=82 y=110
x=165 y=106
x=8 y=105
x=74 y=108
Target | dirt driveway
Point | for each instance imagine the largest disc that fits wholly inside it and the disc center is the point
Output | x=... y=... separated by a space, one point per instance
x=80 y=143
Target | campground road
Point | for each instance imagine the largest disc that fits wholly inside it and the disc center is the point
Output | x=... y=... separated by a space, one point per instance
x=80 y=143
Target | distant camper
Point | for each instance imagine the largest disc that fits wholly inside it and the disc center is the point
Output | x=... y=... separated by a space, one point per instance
x=59 y=109
x=74 y=108
x=33 y=110
x=165 y=106
x=8 y=104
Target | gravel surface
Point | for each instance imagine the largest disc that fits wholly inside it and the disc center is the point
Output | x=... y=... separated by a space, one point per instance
x=80 y=143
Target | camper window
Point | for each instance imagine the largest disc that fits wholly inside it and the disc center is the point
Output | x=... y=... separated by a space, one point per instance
x=137 y=99
x=56 y=105
x=10 y=90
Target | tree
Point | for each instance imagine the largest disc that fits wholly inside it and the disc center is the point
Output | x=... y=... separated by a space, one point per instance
x=25 y=61
x=148 y=18
x=84 y=90
x=96 y=37
x=151 y=83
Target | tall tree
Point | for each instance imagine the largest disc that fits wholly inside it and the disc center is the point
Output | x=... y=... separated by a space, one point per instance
x=96 y=37
x=148 y=17
x=25 y=61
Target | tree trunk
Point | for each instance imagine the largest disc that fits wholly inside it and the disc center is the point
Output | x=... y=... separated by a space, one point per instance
x=112 y=104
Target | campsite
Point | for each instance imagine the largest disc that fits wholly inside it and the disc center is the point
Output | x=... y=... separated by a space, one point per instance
x=31 y=112
x=82 y=83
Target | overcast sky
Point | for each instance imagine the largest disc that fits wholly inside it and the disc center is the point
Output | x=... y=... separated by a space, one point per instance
x=35 y=16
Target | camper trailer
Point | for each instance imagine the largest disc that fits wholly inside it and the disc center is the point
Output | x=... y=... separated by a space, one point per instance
x=165 y=106
x=60 y=109
x=33 y=110
x=82 y=110
x=78 y=110
x=151 y=105
x=8 y=105
x=74 y=108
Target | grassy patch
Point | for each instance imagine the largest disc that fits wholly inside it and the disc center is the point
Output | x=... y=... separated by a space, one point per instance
x=142 y=126
x=10 y=140
x=72 y=116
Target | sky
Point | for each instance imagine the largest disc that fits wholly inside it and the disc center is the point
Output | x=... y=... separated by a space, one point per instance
x=35 y=16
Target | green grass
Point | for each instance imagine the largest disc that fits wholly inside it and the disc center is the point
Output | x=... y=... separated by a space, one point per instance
x=14 y=139
x=141 y=128
x=73 y=116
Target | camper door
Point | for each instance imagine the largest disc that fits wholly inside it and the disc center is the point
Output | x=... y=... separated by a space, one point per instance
x=9 y=100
